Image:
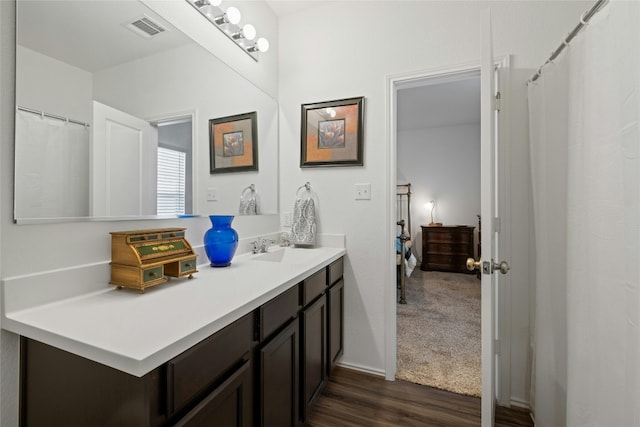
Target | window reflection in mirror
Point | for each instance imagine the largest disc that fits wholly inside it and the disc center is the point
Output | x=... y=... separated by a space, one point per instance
x=123 y=102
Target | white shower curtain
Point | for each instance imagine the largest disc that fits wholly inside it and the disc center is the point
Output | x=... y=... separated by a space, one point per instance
x=584 y=135
x=52 y=168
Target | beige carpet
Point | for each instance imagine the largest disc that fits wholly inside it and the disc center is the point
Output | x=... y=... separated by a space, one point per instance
x=439 y=332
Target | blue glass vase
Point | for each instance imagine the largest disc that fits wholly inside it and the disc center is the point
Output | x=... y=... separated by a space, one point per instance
x=220 y=241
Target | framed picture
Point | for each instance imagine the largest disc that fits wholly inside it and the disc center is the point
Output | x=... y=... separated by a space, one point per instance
x=233 y=143
x=331 y=133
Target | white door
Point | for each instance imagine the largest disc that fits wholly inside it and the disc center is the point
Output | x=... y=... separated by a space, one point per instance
x=489 y=264
x=124 y=153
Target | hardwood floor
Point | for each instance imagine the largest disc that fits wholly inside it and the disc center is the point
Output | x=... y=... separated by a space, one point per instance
x=353 y=398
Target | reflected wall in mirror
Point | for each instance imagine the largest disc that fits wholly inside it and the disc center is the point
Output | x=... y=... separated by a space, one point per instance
x=112 y=114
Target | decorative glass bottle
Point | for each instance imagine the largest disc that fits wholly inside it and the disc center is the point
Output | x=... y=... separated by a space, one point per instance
x=220 y=241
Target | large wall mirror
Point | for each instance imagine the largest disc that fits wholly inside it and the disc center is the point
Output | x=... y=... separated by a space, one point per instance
x=112 y=116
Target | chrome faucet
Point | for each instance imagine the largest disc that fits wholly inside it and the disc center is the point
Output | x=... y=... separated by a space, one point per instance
x=261 y=246
x=265 y=245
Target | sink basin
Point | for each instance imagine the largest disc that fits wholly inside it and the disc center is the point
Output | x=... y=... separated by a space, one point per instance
x=287 y=255
x=275 y=256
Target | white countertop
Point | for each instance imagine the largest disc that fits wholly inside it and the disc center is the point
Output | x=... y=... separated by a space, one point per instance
x=136 y=333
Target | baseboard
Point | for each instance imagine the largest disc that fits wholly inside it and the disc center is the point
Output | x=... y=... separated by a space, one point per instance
x=377 y=372
x=520 y=403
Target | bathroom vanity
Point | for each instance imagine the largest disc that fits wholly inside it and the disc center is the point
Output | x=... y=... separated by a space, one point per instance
x=253 y=345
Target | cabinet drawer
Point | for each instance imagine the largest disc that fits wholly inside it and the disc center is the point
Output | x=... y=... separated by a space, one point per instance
x=278 y=311
x=449 y=234
x=188 y=265
x=142 y=238
x=336 y=269
x=447 y=248
x=314 y=286
x=192 y=371
x=452 y=262
x=180 y=268
x=152 y=274
x=172 y=234
x=229 y=405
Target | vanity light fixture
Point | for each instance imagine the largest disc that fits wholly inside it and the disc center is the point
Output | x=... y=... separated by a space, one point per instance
x=231 y=16
x=228 y=21
x=248 y=32
x=201 y=3
x=262 y=45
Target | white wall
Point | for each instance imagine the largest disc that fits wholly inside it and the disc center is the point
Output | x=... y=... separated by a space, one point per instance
x=442 y=164
x=264 y=72
x=55 y=87
x=345 y=49
x=195 y=81
x=26 y=249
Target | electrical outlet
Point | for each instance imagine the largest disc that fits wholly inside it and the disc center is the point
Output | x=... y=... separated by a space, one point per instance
x=363 y=191
x=286 y=219
x=212 y=194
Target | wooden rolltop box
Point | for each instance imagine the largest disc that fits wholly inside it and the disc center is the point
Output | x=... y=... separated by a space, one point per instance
x=144 y=258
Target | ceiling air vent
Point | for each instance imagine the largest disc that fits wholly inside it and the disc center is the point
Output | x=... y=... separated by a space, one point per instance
x=145 y=27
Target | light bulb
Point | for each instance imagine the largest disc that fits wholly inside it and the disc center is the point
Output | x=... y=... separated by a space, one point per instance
x=233 y=15
x=249 y=32
x=263 y=44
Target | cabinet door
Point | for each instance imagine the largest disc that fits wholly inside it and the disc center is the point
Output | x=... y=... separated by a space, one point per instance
x=279 y=379
x=335 y=298
x=59 y=388
x=229 y=405
x=314 y=352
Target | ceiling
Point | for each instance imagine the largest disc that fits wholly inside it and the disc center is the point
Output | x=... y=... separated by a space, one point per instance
x=424 y=105
x=442 y=104
x=103 y=29
x=287 y=7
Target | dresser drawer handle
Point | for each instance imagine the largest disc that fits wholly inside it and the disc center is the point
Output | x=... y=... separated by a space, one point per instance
x=153 y=274
x=187 y=265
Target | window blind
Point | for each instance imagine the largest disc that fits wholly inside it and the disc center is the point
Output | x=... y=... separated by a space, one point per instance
x=171 y=181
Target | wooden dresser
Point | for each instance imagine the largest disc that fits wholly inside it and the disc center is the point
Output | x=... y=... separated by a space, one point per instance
x=446 y=248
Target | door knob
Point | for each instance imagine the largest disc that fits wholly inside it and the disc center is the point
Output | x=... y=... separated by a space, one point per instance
x=503 y=267
x=472 y=264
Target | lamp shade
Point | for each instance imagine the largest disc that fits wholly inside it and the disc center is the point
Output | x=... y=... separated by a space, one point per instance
x=262 y=44
x=233 y=15
x=249 y=32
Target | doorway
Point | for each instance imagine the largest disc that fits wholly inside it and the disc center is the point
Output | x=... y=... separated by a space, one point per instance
x=496 y=329
x=175 y=183
x=438 y=153
x=175 y=166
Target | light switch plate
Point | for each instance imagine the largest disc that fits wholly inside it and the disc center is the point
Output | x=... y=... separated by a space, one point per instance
x=286 y=219
x=363 y=191
x=212 y=194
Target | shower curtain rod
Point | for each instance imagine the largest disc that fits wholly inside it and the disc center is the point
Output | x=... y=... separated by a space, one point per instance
x=583 y=21
x=53 y=116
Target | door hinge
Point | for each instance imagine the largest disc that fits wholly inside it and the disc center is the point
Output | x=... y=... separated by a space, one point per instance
x=496 y=225
x=498 y=103
x=496 y=347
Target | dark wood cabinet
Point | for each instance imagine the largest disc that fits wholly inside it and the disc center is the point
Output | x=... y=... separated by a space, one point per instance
x=59 y=388
x=192 y=373
x=446 y=248
x=279 y=379
x=229 y=405
x=335 y=314
x=314 y=352
x=335 y=318
x=264 y=369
